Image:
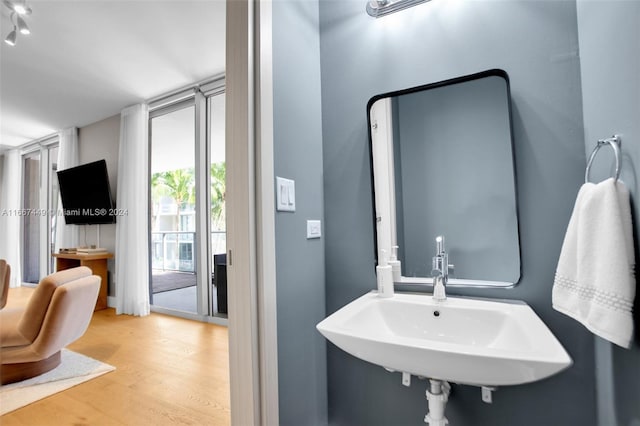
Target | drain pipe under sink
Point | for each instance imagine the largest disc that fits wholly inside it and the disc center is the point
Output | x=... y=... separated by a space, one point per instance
x=437 y=396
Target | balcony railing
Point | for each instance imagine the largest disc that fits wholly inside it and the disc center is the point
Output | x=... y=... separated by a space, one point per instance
x=175 y=251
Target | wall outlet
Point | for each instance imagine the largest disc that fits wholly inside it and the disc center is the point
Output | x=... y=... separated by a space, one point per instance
x=314 y=229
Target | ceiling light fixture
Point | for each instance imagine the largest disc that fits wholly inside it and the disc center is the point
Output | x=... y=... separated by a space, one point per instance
x=379 y=8
x=18 y=11
x=22 y=26
x=18 y=6
x=11 y=38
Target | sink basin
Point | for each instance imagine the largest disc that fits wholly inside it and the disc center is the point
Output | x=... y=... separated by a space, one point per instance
x=483 y=342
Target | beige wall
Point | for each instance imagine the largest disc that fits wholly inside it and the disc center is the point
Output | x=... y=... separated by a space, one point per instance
x=99 y=141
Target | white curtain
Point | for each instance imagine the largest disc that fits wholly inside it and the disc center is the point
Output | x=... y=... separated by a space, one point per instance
x=66 y=235
x=132 y=243
x=10 y=197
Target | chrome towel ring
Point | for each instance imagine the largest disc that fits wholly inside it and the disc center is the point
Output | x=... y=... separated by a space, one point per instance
x=615 y=141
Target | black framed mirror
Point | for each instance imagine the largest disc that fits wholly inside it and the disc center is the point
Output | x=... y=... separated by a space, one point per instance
x=442 y=164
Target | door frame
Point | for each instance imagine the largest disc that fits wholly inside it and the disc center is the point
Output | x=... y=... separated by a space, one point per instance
x=253 y=358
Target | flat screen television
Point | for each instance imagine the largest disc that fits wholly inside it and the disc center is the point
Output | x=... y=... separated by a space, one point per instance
x=86 y=195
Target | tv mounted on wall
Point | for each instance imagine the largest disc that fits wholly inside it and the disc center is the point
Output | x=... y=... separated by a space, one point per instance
x=86 y=195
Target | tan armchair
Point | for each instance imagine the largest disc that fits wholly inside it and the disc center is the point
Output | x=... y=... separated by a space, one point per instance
x=58 y=313
x=5 y=277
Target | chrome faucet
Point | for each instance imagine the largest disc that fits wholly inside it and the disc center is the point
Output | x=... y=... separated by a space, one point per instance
x=440 y=270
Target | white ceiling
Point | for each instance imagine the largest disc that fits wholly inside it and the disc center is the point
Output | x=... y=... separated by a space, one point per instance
x=85 y=60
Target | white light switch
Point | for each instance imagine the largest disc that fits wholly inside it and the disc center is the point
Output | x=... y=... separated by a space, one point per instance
x=285 y=195
x=314 y=229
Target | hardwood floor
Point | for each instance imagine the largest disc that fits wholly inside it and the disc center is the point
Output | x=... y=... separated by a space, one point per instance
x=168 y=371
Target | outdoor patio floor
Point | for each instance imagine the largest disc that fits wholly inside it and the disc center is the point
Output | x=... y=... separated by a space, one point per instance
x=183 y=299
x=174 y=290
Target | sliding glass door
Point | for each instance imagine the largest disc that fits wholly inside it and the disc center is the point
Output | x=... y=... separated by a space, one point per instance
x=187 y=196
x=31 y=222
x=53 y=198
x=217 y=182
x=39 y=207
x=174 y=275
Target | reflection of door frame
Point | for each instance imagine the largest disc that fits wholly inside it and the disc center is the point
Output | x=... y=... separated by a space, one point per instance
x=381 y=117
x=253 y=359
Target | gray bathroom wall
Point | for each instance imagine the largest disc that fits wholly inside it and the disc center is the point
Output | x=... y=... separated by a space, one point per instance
x=536 y=43
x=610 y=68
x=300 y=262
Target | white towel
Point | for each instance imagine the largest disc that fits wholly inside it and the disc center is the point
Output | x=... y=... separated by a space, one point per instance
x=595 y=279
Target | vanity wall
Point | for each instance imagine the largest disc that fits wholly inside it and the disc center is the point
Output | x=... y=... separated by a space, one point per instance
x=610 y=69
x=300 y=274
x=536 y=43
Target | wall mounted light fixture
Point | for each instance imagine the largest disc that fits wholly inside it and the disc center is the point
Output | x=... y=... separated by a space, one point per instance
x=18 y=10
x=378 y=8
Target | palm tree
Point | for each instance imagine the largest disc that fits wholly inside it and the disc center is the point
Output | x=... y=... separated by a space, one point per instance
x=180 y=186
x=218 y=192
x=157 y=191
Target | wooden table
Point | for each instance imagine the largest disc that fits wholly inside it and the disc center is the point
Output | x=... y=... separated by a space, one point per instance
x=97 y=262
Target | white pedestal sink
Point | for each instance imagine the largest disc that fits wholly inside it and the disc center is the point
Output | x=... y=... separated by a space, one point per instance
x=483 y=342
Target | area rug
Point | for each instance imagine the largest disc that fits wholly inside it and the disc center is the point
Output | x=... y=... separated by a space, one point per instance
x=73 y=370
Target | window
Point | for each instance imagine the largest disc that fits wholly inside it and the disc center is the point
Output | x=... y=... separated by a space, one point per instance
x=39 y=208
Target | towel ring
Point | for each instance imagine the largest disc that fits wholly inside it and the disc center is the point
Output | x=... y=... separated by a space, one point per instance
x=615 y=143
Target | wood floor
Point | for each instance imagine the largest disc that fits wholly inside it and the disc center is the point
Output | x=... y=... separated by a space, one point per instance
x=169 y=371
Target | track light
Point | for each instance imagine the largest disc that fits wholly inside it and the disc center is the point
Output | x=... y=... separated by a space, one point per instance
x=378 y=8
x=22 y=26
x=18 y=10
x=11 y=38
x=20 y=7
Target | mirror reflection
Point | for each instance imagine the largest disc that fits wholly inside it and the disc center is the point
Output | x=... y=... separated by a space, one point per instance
x=442 y=164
